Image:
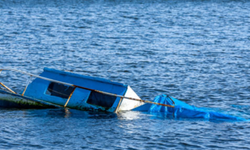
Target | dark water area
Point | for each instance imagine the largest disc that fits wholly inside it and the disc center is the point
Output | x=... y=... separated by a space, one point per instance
x=196 y=51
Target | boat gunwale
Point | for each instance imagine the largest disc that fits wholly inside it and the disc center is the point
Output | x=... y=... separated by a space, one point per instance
x=66 y=73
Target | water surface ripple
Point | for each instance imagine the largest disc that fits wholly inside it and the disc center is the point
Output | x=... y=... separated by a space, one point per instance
x=196 y=51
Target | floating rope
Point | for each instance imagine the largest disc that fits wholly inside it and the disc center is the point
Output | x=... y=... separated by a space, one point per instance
x=7 y=88
x=76 y=86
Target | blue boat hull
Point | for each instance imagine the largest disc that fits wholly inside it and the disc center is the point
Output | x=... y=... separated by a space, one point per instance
x=69 y=90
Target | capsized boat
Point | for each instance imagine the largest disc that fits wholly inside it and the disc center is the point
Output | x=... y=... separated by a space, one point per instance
x=55 y=88
x=65 y=89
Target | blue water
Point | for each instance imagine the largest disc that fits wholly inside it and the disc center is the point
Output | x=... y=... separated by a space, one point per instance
x=196 y=51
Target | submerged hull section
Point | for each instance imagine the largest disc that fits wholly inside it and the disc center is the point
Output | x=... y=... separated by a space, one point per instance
x=10 y=100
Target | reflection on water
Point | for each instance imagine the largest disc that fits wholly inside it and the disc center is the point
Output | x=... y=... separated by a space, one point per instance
x=129 y=115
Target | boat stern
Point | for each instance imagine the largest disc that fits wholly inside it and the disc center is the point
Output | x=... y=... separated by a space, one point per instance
x=128 y=104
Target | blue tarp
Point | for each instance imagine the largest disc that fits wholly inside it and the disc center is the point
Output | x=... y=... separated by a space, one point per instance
x=183 y=110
